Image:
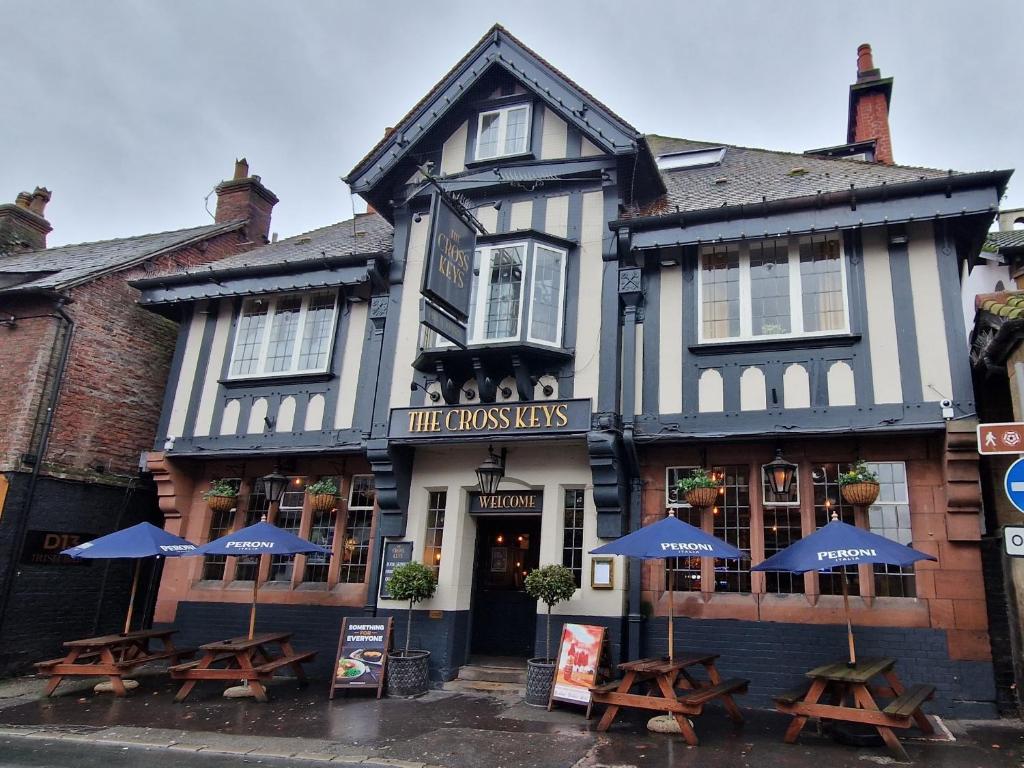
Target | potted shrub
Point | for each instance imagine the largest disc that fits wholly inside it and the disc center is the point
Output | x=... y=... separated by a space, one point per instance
x=859 y=486
x=222 y=496
x=408 y=673
x=700 y=489
x=550 y=584
x=322 y=494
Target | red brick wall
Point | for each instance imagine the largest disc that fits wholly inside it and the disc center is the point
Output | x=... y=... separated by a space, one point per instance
x=110 y=401
x=873 y=123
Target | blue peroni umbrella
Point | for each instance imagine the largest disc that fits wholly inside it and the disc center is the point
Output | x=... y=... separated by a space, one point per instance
x=260 y=539
x=670 y=538
x=839 y=544
x=142 y=540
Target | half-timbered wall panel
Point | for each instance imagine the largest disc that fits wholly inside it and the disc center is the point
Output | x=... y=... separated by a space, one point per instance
x=881 y=318
x=187 y=373
x=932 y=350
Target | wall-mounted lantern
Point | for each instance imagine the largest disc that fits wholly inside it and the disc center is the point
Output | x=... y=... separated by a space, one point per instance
x=780 y=474
x=489 y=474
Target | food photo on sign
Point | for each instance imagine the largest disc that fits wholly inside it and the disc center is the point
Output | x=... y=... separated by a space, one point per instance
x=579 y=654
x=362 y=653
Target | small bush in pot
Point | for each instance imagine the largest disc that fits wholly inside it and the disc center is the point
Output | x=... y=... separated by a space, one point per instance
x=551 y=584
x=408 y=670
x=700 y=489
x=859 y=486
x=221 y=496
x=322 y=494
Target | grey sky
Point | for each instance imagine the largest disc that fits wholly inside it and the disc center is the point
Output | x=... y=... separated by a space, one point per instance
x=131 y=111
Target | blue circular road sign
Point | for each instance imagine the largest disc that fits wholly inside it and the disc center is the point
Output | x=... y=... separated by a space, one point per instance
x=1014 y=484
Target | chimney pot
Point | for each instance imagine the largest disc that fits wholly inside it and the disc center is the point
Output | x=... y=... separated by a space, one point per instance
x=23 y=200
x=865 y=61
x=241 y=169
x=40 y=197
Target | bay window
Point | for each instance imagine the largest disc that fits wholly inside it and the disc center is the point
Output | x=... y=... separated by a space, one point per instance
x=503 y=132
x=285 y=334
x=781 y=287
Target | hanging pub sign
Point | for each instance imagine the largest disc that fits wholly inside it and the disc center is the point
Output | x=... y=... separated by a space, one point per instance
x=507 y=503
x=448 y=269
x=577 y=663
x=546 y=417
x=362 y=653
x=395 y=554
x=443 y=324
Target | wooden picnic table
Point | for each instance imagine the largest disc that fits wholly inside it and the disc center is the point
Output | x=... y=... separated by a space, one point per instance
x=671 y=688
x=845 y=683
x=111 y=656
x=243 y=659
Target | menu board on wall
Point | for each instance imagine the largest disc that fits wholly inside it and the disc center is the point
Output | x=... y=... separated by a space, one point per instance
x=395 y=554
x=579 y=654
x=362 y=654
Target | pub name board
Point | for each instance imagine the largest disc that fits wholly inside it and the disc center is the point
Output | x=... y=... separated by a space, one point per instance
x=498 y=420
x=448 y=273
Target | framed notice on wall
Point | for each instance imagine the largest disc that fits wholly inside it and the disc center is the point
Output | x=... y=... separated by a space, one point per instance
x=395 y=554
x=362 y=654
x=579 y=655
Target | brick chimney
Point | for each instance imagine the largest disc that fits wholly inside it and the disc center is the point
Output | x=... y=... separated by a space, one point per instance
x=869 y=106
x=22 y=226
x=245 y=197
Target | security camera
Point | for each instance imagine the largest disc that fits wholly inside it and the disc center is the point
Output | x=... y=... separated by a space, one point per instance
x=946 y=403
x=947 y=409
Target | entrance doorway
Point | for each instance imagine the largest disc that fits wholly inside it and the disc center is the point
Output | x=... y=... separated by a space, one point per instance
x=504 y=616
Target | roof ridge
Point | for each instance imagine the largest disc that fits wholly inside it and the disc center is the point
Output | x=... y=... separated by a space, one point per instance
x=214 y=225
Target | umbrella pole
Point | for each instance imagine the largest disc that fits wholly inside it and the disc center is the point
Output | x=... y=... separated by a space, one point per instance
x=255 y=591
x=849 y=627
x=671 y=612
x=131 y=600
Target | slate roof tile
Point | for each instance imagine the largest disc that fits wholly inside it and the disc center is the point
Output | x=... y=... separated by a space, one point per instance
x=1006 y=304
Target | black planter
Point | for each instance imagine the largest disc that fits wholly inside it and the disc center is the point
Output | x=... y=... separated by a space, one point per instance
x=408 y=675
x=540 y=674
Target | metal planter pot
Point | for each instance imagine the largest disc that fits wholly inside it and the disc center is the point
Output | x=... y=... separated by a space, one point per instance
x=540 y=674
x=408 y=675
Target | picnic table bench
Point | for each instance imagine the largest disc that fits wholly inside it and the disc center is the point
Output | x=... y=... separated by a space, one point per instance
x=671 y=688
x=242 y=659
x=111 y=656
x=845 y=683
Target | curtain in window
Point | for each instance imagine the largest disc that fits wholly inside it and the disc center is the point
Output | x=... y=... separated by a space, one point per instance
x=822 y=285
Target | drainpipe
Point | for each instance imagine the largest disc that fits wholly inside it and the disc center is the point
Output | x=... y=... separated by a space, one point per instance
x=631 y=301
x=51 y=408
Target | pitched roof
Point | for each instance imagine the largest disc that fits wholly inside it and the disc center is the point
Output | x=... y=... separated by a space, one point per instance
x=63 y=267
x=748 y=176
x=997 y=242
x=366 y=234
x=1006 y=304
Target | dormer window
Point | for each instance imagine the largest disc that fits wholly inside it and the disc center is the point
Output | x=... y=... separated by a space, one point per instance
x=282 y=335
x=503 y=132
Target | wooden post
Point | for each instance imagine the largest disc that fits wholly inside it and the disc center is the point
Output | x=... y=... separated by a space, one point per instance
x=849 y=628
x=131 y=600
x=255 y=591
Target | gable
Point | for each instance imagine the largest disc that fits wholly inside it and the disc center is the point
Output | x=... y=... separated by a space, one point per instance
x=499 y=70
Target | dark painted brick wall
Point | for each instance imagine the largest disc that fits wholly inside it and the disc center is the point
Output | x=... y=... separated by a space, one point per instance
x=51 y=604
x=775 y=656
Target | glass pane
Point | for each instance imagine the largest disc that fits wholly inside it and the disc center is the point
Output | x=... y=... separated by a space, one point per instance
x=682 y=574
x=769 y=288
x=515 y=131
x=505 y=284
x=316 y=335
x=821 y=283
x=487 y=141
x=282 y=334
x=572 y=533
x=249 y=337
x=434 y=538
x=355 y=550
x=731 y=523
x=720 y=292
x=220 y=525
x=289 y=517
x=545 y=324
x=828 y=500
x=781 y=529
x=259 y=505
x=889 y=516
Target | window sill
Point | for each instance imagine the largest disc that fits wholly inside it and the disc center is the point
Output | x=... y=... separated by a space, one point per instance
x=277 y=379
x=790 y=342
x=476 y=164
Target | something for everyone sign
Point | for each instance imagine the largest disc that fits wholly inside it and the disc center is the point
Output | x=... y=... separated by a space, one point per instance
x=362 y=654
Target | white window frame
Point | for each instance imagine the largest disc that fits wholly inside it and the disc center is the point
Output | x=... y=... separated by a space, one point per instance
x=905 y=502
x=483 y=293
x=796 y=311
x=502 y=130
x=681 y=471
x=261 y=360
x=560 y=320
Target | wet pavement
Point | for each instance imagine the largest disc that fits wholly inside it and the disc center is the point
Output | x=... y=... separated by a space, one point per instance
x=455 y=729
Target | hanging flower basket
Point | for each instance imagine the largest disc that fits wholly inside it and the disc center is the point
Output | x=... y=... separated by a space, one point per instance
x=322 y=502
x=221 y=503
x=701 y=498
x=860 y=494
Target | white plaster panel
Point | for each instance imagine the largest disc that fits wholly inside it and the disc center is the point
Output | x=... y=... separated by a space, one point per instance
x=796 y=387
x=351 y=363
x=486 y=215
x=553 y=138
x=187 y=374
x=588 y=325
x=285 y=415
x=229 y=418
x=710 y=392
x=882 y=333
x=841 y=390
x=588 y=149
x=556 y=216
x=257 y=415
x=453 y=151
x=932 y=350
x=753 y=396
x=314 y=413
x=218 y=348
x=409 y=313
x=521 y=215
x=670 y=346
